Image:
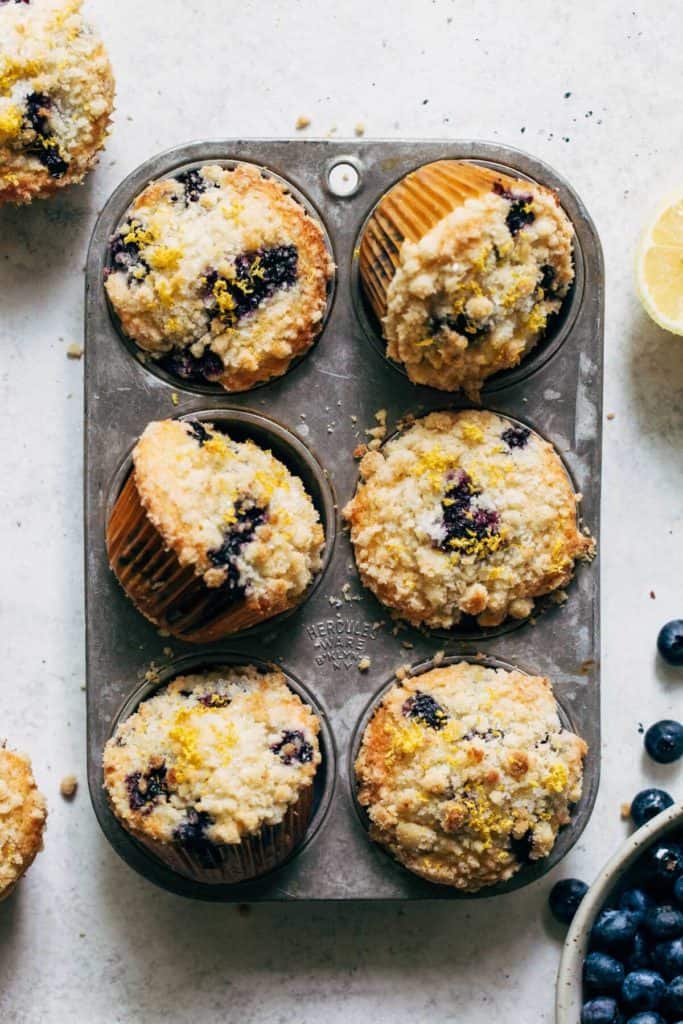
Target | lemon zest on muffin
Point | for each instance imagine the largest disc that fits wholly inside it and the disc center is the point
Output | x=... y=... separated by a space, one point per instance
x=165 y=257
x=537 y=319
x=138 y=235
x=472 y=433
x=403 y=740
x=557 y=778
x=11 y=121
x=17 y=69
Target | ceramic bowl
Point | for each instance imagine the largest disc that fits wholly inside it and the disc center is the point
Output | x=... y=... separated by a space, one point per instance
x=569 y=994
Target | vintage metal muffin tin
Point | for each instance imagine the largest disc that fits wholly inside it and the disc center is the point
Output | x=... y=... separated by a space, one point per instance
x=326 y=401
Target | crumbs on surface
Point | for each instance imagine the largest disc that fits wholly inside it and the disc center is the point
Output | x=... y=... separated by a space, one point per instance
x=68 y=787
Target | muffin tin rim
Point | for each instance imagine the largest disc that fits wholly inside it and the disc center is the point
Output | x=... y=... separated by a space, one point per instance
x=204 y=660
x=509 y=625
x=536 y=869
x=328 y=513
x=545 y=349
x=145 y=358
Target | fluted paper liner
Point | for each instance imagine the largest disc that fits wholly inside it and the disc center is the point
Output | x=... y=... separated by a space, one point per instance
x=229 y=863
x=167 y=593
x=412 y=208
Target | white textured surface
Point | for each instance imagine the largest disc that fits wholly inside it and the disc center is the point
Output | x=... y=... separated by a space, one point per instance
x=85 y=939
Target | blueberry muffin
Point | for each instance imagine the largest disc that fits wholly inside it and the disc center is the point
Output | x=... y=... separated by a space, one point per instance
x=211 y=535
x=464 y=513
x=22 y=819
x=220 y=275
x=56 y=97
x=464 y=267
x=466 y=773
x=214 y=773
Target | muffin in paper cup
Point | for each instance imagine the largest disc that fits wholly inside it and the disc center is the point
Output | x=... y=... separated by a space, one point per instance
x=22 y=819
x=466 y=773
x=209 y=535
x=464 y=265
x=214 y=773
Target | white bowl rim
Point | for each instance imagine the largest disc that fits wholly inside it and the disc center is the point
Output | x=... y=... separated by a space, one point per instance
x=569 y=988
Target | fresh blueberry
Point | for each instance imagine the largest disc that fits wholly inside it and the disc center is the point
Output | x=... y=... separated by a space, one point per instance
x=564 y=898
x=674 y=996
x=670 y=642
x=648 y=803
x=643 y=990
x=640 y=953
x=293 y=747
x=516 y=437
x=648 y=1017
x=603 y=1010
x=660 y=867
x=614 y=930
x=668 y=957
x=423 y=708
x=602 y=973
x=636 y=901
x=664 y=922
x=678 y=889
x=664 y=741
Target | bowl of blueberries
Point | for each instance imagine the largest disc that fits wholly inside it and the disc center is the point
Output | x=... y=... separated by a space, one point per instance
x=622 y=961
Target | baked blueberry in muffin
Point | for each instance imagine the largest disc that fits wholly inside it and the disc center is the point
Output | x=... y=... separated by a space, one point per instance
x=211 y=535
x=467 y=774
x=220 y=275
x=214 y=773
x=465 y=267
x=56 y=97
x=464 y=513
x=22 y=819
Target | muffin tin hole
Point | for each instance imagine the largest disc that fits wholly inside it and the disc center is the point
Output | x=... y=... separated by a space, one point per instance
x=156 y=366
x=568 y=834
x=242 y=425
x=343 y=178
x=554 y=337
x=468 y=629
x=325 y=777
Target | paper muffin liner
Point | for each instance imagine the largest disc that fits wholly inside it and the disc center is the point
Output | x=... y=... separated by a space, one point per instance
x=171 y=595
x=229 y=863
x=409 y=210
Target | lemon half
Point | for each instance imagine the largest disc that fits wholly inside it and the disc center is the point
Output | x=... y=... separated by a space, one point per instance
x=659 y=267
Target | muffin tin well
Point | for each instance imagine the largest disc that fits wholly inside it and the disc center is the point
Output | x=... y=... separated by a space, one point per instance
x=326 y=776
x=267 y=433
x=558 y=330
x=327 y=401
x=155 y=366
x=566 y=837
